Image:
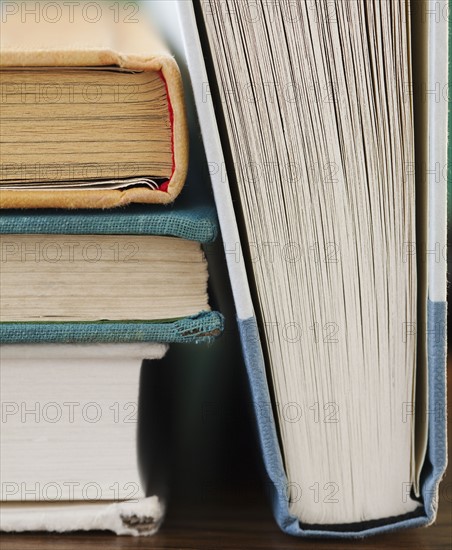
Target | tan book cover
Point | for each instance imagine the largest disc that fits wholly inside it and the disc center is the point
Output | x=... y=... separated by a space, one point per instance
x=101 y=43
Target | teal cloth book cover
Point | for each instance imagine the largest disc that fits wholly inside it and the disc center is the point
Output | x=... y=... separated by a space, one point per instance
x=184 y=220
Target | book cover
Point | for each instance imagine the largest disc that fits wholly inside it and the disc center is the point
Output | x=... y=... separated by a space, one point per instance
x=104 y=46
x=187 y=220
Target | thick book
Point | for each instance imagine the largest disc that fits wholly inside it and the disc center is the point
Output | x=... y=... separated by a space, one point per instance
x=76 y=438
x=132 y=275
x=334 y=251
x=92 y=108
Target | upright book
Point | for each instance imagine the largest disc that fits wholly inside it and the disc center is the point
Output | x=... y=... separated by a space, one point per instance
x=328 y=142
x=92 y=110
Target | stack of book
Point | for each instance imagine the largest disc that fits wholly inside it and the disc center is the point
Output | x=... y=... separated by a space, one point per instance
x=92 y=121
x=325 y=139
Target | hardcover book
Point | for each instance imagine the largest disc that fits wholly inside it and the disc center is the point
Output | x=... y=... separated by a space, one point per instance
x=76 y=422
x=134 y=275
x=92 y=110
x=318 y=137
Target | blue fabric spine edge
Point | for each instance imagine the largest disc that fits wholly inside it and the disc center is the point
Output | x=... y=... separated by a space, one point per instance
x=197 y=223
x=201 y=328
x=268 y=439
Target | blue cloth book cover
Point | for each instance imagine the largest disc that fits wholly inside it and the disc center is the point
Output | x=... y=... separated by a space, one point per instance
x=186 y=220
x=216 y=103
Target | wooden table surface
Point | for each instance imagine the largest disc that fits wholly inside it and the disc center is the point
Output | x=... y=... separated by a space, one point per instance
x=246 y=524
x=249 y=525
